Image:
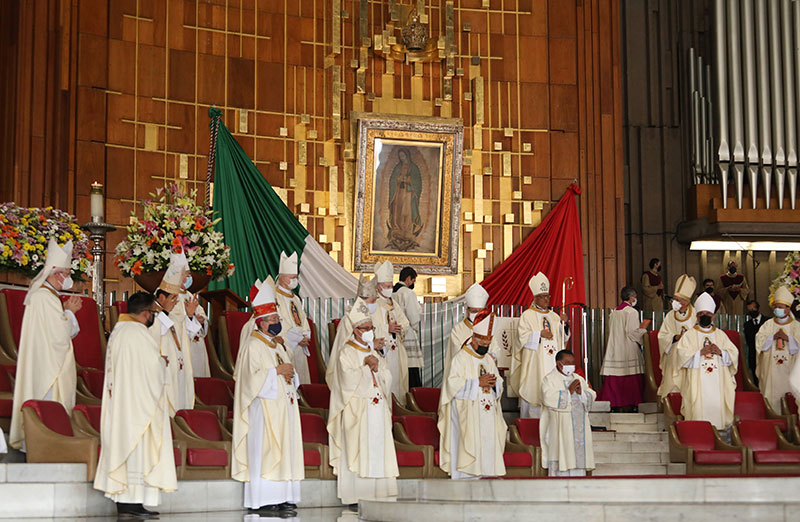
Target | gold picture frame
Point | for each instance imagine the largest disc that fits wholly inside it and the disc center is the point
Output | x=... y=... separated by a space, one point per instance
x=408 y=192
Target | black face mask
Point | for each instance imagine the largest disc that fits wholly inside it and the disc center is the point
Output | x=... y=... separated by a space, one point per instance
x=732 y=270
x=150 y=321
x=411 y=286
x=709 y=290
x=752 y=313
x=658 y=269
x=481 y=350
x=705 y=320
x=274 y=328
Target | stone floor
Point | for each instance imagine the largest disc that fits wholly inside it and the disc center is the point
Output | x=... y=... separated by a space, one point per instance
x=303 y=515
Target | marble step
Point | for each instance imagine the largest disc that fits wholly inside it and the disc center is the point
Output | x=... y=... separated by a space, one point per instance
x=619 y=446
x=630 y=436
x=609 y=470
x=634 y=418
x=636 y=428
x=601 y=457
x=648 y=407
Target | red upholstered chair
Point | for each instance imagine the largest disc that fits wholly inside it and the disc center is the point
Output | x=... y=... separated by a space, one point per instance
x=419 y=434
x=116 y=309
x=90 y=343
x=215 y=395
x=86 y=418
x=6 y=397
x=216 y=366
x=208 y=444
x=768 y=451
x=314 y=398
x=699 y=445
x=423 y=400
x=49 y=437
x=315 y=446
x=525 y=433
x=398 y=410
x=672 y=408
x=230 y=326
x=12 y=308
x=652 y=366
x=744 y=381
x=753 y=406
x=332 y=327
x=788 y=405
x=316 y=363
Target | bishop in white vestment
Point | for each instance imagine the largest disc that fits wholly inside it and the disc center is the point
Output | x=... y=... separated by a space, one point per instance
x=45 y=361
x=267 y=437
x=294 y=324
x=677 y=322
x=777 y=342
x=476 y=298
x=368 y=294
x=566 y=433
x=472 y=431
x=391 y=324
x=708 y=360
x=361 y=444
x=136 y=457
x=542 y=334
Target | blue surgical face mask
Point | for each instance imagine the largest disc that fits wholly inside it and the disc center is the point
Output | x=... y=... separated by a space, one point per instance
x=188 y=284
x=780 y=313
x=274 y=328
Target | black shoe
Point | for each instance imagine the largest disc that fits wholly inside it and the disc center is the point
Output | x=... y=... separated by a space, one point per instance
x=124 y=508
x=144 y=511
x=272 y=508
x=288 y=506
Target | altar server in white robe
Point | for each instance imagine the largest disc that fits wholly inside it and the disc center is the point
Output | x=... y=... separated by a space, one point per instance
x=391 y=324
x=566 y=431
x=294 y=324
x=361 y=444
x=542 y=334
x=45 y=360
x=405 y=297
x=196 y=324
x=777 y=341
x=708 y=360
x=267 y=439
x=678 y=321
x=172 y=331
x=471 y=426
x=136 y=458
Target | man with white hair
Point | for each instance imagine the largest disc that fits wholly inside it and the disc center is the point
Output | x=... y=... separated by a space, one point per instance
x=708 y=360
x=391 y=325
x=267 y=439
x=471 y=426
x=677 y=322
x=542 y=334
x=294 y=323
x=777 y=342
x=45 y=361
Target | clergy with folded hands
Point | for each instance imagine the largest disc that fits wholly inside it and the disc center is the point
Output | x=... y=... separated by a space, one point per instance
x=136 y=458
x=777 y=342
x=361 y=444
x=677 y=322
x=391 y=321
x=566 y=434
x=471 y=426
x=294 y=324
x=45 y=361
x=707 y=359
x=542 y=334
x=267 y=437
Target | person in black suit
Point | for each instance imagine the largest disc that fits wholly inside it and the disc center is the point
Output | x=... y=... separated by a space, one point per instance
x=752 y=324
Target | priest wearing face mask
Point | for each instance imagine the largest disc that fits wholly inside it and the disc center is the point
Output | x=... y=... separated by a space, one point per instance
x=566 y=431
x=294 y=324
x=136 y=458
x=267 y=439
x=542 y=334
x=392 y=325
x=677 y=322
x=45 y=362
x=734 y=290
x=708 y=360
x=471 y=426
x=189 y=312
x=361 y=444
x=623 y=364
x=653 y=287
x=368 y=293
x=777 y=342
x=171 y=331
x=475 y=298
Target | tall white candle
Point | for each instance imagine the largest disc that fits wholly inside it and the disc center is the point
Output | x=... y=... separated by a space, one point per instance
x=96 y=201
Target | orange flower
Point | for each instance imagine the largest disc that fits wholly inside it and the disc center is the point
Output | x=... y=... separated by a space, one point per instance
x=176 y=244
x=197 y=225
x=179 y=232
x=137 y=267
x=152 y=240
x=208 y=270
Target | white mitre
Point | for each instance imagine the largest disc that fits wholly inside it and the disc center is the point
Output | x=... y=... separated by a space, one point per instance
x=288 y=265
x=783 y=296
x=172 y=281
x=705 y=303
x=57 y=258
x=476 y=296
x=539 y=284
x=384 y=272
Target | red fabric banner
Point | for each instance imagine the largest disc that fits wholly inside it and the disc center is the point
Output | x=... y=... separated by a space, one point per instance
x=554 y=248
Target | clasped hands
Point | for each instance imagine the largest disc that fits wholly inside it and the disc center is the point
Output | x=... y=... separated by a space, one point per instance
x=73 y=304
x=394 y=327
x=372 y=362
x=711 y=349
x=487 y=380
x=575 y=387
x=781 y=335
x=286 y=370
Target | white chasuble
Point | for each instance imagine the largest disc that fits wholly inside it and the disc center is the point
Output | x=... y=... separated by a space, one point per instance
x=173 y=340
x=623 y=355
x=294 y=329
x=136 y=457
x=46 y=362
x=535 y=356
x=471 y=426
x=566 y=433
x=458 y=336
x=775 y=359
x=196 y=331
x=708 y=383
x=361 y=444
x=675 y=323
x=267 y=439
x=394 y=349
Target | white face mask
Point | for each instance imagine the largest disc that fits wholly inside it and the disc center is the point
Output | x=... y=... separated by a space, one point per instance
x=779 y=313
x=676 y=305
x=67 y=283
x=472 y=316
x=372 y=307
x=292 y=283
x=367 y=337
x=634 y=302
x=568 y=369
x=386 y=292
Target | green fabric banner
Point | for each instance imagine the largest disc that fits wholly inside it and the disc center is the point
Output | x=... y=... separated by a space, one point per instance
x=256 y=223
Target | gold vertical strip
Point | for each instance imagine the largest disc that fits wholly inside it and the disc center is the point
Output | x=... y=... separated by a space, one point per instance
x=478 y=194
x=508 y=240
x=336 y=109
x=363 y=20
x=333 y=188
x=349 y=199
x=336 y=37
x=477 y=97
x=477 y=138
x=506 y=164
x=527 y=214
x=478 y=265
x=393 y=11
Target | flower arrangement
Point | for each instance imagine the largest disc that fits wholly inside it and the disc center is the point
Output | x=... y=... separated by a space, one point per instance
x=789 y=277
x=173 y=222
x=25 y=232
